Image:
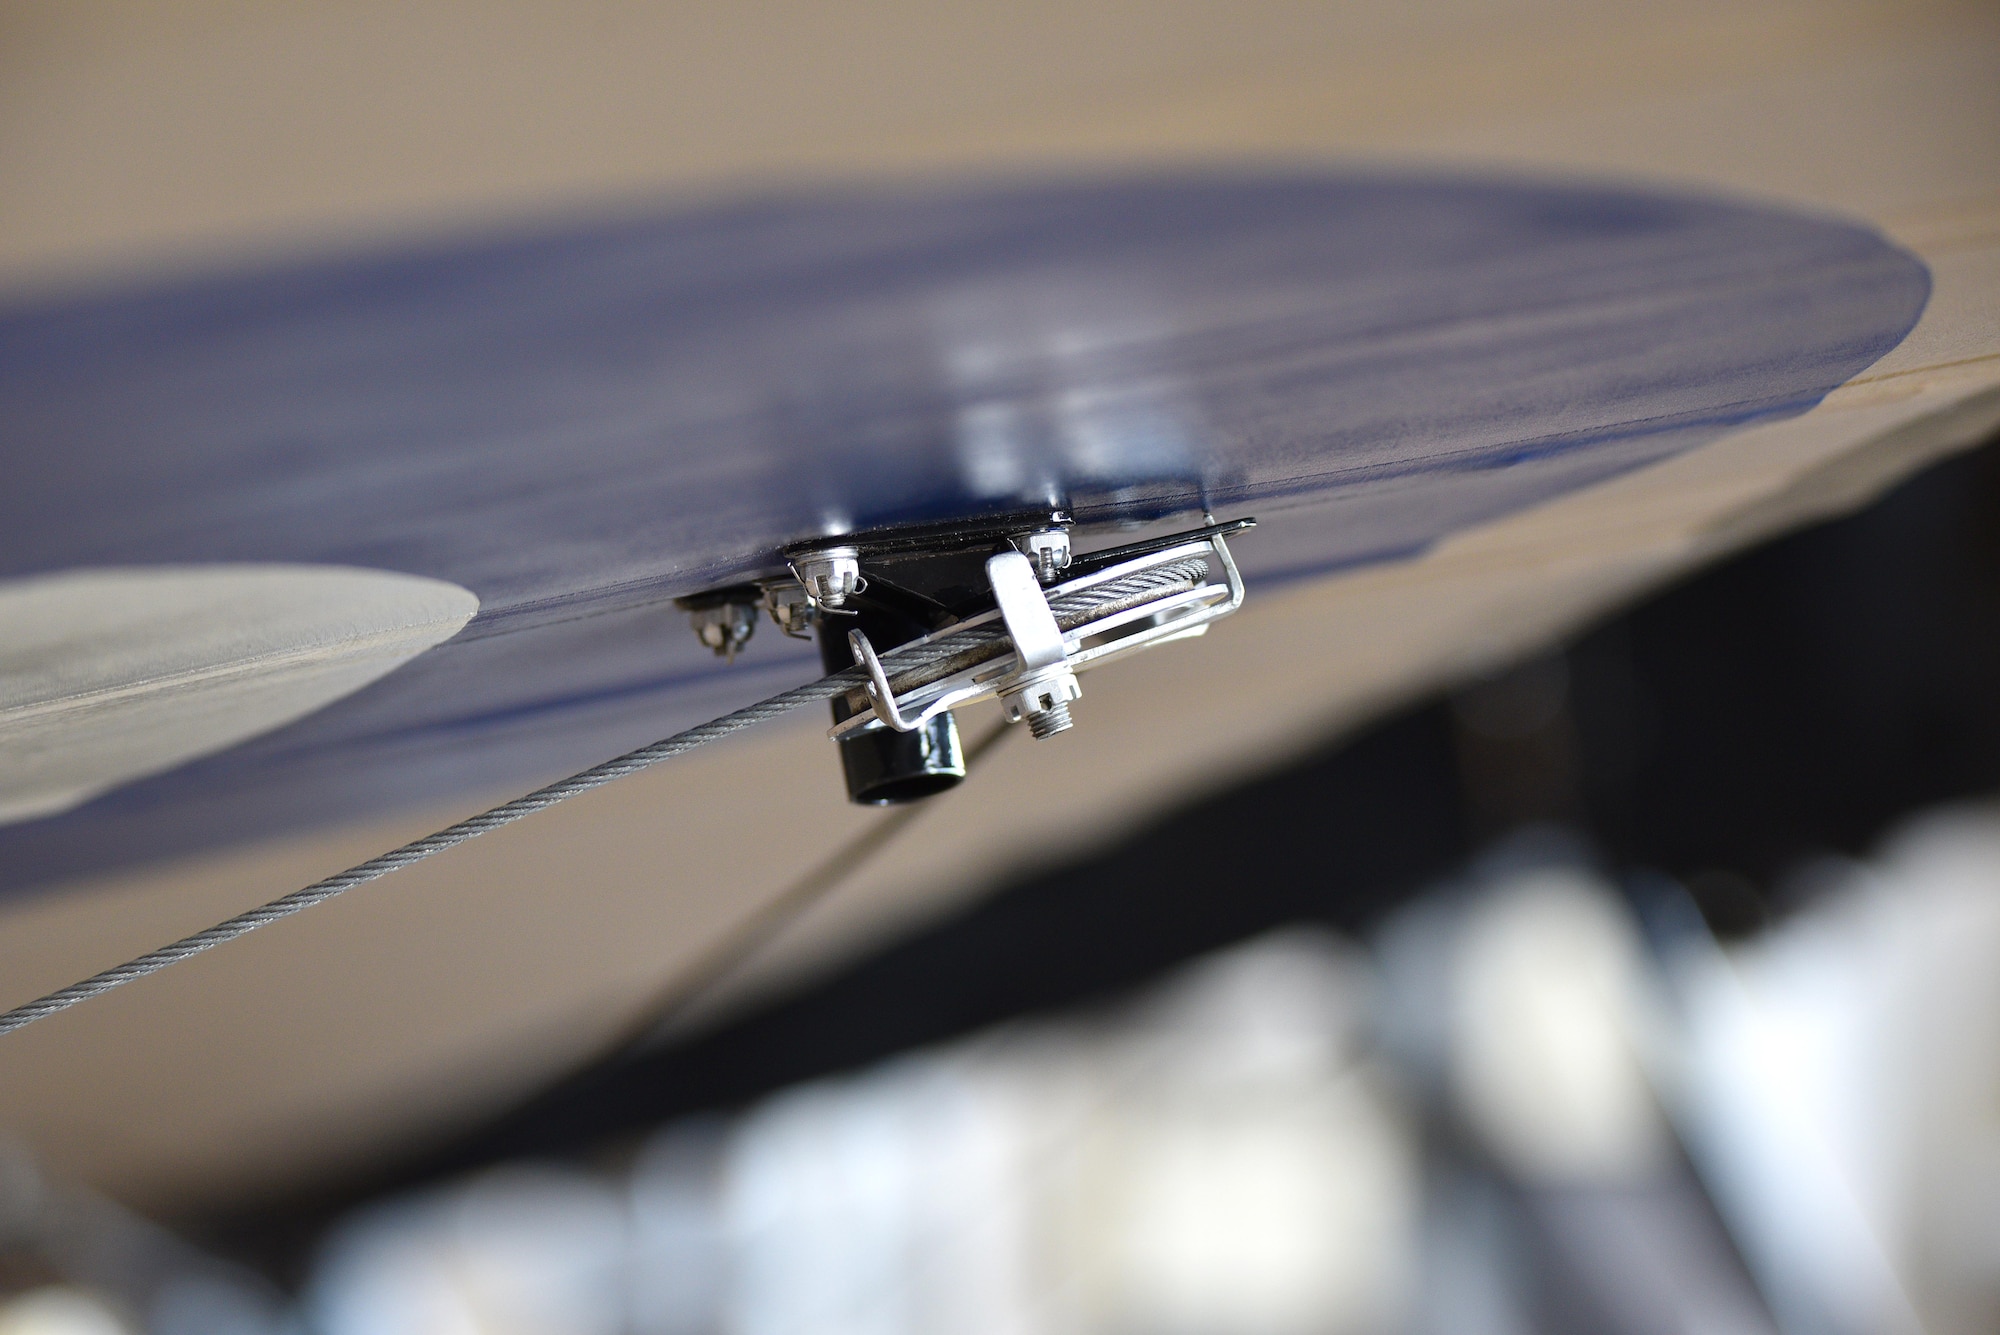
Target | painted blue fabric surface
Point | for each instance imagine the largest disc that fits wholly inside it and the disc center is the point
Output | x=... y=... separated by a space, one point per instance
x=580 y=424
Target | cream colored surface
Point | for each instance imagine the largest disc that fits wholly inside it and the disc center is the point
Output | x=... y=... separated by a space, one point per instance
x=110 y=675
x=133 y=138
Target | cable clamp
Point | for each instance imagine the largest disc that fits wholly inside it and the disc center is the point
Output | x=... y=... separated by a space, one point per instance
x=1028 y=649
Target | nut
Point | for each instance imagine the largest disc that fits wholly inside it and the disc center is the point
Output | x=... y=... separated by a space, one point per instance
x=1048 y=550
x=830 y=576
x=1043 y=701
x=791 y=607
x=724 y=627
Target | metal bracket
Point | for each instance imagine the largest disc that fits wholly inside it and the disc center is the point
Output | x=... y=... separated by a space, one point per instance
x=1043 y=683
x=1109 y=613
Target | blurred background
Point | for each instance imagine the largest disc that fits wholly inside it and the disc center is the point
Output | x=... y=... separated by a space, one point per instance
x=1648 y=985
x=1601 y=943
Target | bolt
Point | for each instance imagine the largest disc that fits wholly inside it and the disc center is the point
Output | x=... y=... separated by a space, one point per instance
x=831 y=576
x=791 y=607
x=1048 y=549
x=1050 y=721
x=724 y=627
x=1043 y=701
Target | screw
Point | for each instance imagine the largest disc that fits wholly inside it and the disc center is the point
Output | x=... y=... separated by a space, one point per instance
x=724 y=627
x=831 y=576
x=1043 y=701
x=791 y=607
x=1048 y=549
x=1050 y=721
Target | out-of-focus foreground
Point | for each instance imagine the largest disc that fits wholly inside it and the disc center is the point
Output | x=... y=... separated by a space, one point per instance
x=1536 y=1099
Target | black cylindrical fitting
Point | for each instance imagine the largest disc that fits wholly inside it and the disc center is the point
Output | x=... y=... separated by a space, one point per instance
x=888 y=767
x=885 y=767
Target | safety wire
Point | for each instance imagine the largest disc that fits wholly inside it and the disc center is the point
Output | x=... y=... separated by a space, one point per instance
x=910 y=659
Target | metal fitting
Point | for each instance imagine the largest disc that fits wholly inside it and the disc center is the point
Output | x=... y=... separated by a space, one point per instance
x=830 y=576
x=1043 y=701
x=791 y=607
x=1147 y=593
x=1044 y=683
x=724 y=627
x=1047 y=550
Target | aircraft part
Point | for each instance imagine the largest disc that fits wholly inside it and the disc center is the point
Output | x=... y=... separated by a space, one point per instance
x=582 y=424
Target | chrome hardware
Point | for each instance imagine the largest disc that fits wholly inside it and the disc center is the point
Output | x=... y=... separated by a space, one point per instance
x=725 y=628
x=1042 y=683
x=790 y=607
x=1051 y=634
x=1047 y=549
x=723 y=619
x=830 y=576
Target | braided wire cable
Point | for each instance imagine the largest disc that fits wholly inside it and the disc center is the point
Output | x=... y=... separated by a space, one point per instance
x=922 y=662
x=911 y=657
x=418 y=849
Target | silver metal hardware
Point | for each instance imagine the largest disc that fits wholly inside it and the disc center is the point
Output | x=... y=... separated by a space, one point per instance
x=1047 y=549
x=724 y=627
x=1045 y=705
x=1043 y=683
x=1029 y=648
x=830 y=576
x=790 y=607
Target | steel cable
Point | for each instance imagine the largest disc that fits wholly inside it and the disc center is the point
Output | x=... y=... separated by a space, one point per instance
x=419 y=849
x=908 y=659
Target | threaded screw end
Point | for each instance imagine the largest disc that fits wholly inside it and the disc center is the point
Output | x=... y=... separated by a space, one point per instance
x=1048 y=722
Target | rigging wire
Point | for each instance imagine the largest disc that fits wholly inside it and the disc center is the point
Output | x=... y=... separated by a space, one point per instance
x=418 y=849
x=911 y=660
